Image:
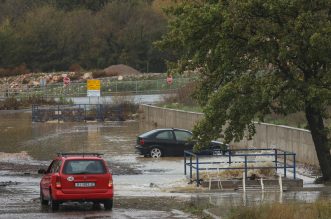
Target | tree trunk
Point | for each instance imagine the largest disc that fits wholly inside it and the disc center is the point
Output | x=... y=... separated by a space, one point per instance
x=320 y=138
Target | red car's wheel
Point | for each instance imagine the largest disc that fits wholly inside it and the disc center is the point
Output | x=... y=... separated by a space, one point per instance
x=42 y=200
x=53 y=204
x=108 y=204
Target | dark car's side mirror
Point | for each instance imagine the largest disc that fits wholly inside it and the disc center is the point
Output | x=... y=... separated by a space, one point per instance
x=41 y=171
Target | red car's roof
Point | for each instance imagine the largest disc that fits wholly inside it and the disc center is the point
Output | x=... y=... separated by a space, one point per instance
x=81 y=158
x=79 y=155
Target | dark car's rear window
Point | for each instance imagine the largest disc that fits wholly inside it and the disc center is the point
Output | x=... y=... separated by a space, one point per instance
x=84 y=167
x=146 y=134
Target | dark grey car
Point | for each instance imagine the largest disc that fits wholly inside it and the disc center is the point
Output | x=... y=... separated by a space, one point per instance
x=170 y=142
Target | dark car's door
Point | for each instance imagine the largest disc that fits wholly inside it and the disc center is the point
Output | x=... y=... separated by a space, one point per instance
x=183 y=141
x=165 y=140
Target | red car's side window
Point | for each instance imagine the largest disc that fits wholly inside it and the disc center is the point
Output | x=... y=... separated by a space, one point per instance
x=54 y=167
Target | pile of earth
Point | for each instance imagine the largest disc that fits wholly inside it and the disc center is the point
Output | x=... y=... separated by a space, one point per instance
x=121 y=69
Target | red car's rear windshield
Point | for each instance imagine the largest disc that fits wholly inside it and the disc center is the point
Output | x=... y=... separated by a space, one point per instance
x=84 y=167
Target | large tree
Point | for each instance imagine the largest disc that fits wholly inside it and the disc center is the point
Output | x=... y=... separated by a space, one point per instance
x=256 y=57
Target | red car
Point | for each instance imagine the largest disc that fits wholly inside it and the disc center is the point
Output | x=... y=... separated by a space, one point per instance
x=82 y=177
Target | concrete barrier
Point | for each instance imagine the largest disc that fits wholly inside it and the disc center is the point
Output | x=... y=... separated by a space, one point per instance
x=267 y=135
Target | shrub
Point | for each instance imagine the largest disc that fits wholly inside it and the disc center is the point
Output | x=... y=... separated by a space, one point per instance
x=10 y=103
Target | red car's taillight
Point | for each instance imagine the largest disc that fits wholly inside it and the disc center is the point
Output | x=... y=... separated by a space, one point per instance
x=110 y=183
x=142 y=142
x=58 y=182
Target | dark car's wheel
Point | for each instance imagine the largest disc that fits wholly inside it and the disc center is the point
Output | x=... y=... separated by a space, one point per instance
x=52 y=203
x=156 y=152
x=42 y=199
x=108 y=204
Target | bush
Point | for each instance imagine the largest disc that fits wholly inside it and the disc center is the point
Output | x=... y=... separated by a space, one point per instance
x=10 y=103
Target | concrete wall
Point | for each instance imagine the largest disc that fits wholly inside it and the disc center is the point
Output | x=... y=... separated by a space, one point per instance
x=286 y=138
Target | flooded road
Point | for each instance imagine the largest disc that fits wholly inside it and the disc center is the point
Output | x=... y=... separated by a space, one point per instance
x=32 y=145
x=144 y=187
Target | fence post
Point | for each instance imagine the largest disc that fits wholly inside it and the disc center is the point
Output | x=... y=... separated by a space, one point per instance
x=190 y=166
x=85 y=112
x=276 y=159
x=294 y=167
x=285 y=164
x=230 y=157
x=245 y=166
x=184 y=163
x=197 y=166
x=58 y=113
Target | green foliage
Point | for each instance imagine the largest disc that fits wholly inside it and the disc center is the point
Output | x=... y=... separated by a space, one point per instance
x=255 y=58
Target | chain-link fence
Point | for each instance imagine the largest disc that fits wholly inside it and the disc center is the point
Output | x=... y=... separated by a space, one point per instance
x=108 y=88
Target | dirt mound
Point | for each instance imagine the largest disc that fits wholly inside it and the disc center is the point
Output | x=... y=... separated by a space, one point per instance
x=115 y=70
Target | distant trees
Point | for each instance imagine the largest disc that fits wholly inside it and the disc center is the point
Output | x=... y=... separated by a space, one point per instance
x=52 y=35
x=94 y=5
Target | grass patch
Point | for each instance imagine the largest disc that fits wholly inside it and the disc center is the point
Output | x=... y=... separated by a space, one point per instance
x=180 y=106
x=317 y=210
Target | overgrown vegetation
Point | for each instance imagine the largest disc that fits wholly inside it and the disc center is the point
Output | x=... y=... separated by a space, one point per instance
x=316 y=210
x=13 y=103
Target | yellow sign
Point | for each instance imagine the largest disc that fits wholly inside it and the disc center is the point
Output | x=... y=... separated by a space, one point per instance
x=93 y=84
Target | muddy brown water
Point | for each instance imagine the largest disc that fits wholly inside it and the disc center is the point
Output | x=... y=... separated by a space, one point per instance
x=144 y=187
x=25 y=147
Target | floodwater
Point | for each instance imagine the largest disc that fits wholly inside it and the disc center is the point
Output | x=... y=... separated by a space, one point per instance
x=144 y=187
x=26 y=143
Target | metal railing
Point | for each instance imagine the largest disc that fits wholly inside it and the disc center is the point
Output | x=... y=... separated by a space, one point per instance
x=77 y=113
x=108 y=87
x=281 y=160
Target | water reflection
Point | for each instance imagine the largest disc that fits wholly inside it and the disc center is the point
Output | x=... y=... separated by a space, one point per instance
x=43 y=140
x=227 y=200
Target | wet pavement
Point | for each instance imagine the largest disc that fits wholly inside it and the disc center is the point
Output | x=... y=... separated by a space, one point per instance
x=144 y=187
